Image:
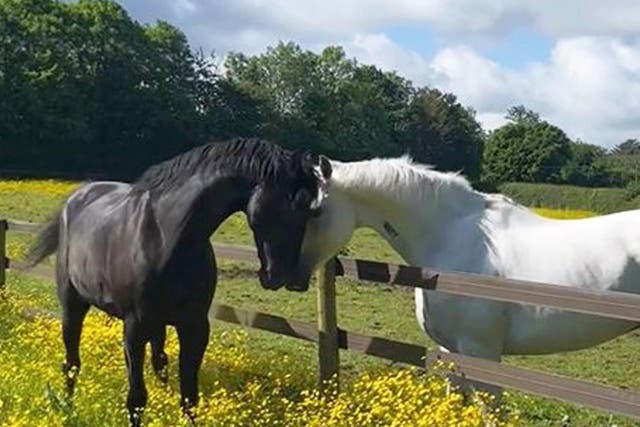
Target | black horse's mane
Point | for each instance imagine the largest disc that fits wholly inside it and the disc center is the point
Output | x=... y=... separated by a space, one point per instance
x=258 y=160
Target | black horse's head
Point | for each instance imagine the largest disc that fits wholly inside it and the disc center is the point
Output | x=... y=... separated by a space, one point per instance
x=278 y=212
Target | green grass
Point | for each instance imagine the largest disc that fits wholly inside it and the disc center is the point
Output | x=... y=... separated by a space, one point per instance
x=599 y=200
x=374 y=310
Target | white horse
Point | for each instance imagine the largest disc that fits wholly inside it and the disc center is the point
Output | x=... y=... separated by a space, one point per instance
x=435 y=219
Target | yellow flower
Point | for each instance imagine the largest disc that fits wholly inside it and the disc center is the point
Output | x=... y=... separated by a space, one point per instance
x=563 y=213
x=47 y=187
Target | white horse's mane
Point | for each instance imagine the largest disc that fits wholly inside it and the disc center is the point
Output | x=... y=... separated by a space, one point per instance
x=389 y=172
x=406 y=181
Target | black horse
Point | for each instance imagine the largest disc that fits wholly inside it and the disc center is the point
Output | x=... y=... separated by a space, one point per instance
x=141 y=252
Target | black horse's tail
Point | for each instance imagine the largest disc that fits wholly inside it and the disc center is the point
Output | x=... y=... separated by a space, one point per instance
x=46 y=242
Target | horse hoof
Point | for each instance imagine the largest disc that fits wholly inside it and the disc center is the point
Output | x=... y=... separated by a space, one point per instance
x=192 y=420
x=163 y=376
x=70 y=374
x=135 y=418
x=160 y=367
x=188 y=411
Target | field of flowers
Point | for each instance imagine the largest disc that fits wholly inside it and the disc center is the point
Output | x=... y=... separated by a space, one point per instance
x=238 y=388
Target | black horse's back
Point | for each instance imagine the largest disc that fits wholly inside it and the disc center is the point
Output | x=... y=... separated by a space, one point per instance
x=48 y=239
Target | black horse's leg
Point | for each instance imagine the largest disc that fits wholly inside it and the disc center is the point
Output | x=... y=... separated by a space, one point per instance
x=135 y=338
x=159 y=358
x=74 y=310
x=194 y=337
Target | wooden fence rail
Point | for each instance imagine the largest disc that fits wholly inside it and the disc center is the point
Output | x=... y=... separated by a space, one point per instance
x=611 y=304
x=330 y=337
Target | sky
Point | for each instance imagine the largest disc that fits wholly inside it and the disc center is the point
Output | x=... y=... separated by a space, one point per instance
x=575 y=62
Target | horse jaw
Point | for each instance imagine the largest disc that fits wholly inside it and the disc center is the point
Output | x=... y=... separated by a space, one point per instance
x=325 y=235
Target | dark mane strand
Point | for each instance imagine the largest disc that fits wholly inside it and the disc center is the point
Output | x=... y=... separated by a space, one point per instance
x=258 y=160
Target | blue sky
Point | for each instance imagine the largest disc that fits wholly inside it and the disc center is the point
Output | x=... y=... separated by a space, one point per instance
x=417 y=37
x=515 y=50
x=520 y=48
x=576 y=62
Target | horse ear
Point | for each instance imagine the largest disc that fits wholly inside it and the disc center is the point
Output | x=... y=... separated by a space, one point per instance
x=303 y=161
x=325 y=167
x=309 y=160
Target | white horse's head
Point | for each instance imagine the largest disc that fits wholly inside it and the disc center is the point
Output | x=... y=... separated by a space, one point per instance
x=326 y=233
x=396 y=197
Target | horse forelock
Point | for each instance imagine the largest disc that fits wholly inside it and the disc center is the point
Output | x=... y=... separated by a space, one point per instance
x=322 y=188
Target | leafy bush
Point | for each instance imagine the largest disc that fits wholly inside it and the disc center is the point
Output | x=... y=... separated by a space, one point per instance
x=632 y=190
x=586 y=166
x=526 y=152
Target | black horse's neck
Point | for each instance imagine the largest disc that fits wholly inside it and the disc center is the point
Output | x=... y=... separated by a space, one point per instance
x=193 y=193
x=197 y=208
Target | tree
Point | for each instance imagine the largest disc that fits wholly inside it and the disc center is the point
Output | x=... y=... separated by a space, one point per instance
x=441 y=132
x=366 y=113
x=82 y=83
x=623 y=164
x=630 y=147
x=519 y=114
x=526 y=151
x=586 y=166
x=41 y=96
x=324 y=101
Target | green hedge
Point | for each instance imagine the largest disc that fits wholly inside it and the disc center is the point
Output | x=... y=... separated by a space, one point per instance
x=601 y=200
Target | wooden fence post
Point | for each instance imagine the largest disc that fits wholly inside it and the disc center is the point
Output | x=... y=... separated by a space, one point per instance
x=3 y=250
x=328 y=357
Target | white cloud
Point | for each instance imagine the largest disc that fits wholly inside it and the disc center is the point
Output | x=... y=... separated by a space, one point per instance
x=469 y=75
x=378 y=49
x=465 y=20
x=183 y=8
x=589 y=85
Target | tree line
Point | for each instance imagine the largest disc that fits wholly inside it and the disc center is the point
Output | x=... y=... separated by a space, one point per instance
x=85 y=88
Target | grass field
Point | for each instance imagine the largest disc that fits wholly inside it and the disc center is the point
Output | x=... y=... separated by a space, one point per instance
x=378 y=310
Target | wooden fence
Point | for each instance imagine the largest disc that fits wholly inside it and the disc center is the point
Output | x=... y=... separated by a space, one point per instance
x=330 y=337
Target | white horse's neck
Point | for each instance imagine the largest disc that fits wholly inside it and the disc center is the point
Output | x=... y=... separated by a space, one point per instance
x=414 y=208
